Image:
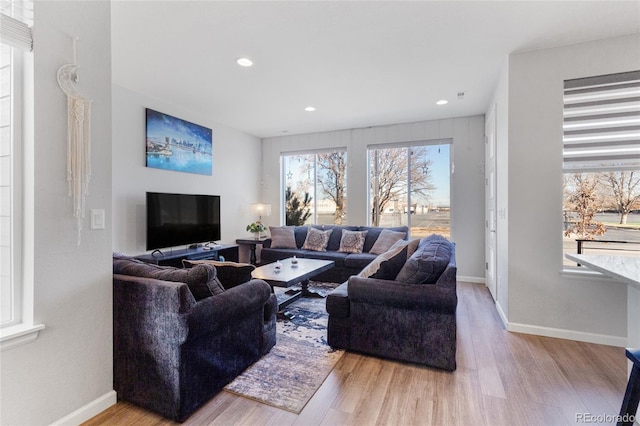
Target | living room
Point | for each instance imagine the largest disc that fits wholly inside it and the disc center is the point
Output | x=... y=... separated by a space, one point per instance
x=68 y=368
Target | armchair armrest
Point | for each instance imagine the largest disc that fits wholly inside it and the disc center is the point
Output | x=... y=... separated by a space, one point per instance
x=209 y=314
x=143 y=306
x=230 y=274
x=400 y=295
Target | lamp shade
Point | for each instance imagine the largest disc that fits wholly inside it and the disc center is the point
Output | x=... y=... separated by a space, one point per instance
x=261 y=209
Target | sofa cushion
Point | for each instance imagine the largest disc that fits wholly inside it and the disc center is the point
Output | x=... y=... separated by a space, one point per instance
x=387 y=265
x=358 y=260
x=282 y=237
x=300 y=233
x=428 y=262
x=317 y=239
x=269 y=255
x=385 y=240
x=336 y=256
x=352 y=241
x=374 y=233
x=201 y=279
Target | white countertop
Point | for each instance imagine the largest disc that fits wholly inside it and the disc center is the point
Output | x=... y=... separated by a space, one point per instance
x=622 y=268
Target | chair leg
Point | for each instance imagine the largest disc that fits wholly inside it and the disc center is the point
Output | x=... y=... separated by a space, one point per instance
x=632 y=394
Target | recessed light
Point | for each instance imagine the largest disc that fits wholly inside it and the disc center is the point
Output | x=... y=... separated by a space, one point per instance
x=310 y=108
x=244 y=62
x=442 y=102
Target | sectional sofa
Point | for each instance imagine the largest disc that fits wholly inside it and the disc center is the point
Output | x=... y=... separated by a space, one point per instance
x=348 y=260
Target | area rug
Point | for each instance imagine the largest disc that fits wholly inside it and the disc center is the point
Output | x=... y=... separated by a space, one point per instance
x=289 y=375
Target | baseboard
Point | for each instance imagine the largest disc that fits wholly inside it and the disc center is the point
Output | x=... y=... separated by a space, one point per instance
x=90 y=410
x=478 y=280
x=601 y=339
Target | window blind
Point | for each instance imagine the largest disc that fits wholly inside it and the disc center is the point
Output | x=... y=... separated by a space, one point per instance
x=601 y=129
x=16 y=18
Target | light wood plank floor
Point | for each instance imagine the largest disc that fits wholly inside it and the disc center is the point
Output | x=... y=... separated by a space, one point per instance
x=502 y=379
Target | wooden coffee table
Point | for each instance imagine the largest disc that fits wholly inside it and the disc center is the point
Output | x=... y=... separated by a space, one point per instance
x=290 y=275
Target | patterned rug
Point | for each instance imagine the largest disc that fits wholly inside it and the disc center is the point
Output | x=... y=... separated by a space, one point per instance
x=289 y=375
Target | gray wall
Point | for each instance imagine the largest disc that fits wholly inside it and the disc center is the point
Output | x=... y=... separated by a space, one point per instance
x=543 y=300
x=236 y=171
x=70 y=365
x=467 y=181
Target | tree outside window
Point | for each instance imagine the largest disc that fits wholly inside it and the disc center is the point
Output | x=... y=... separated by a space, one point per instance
x=601 y=164
x=315 y=188
x=409 y=185
x=600 y=207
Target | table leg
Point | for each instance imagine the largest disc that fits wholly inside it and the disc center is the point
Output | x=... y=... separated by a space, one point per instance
x=253 y=258
x=309 y=293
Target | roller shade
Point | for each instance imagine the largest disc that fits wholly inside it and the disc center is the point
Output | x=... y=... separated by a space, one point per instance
x=16 y=18
x=601 y=128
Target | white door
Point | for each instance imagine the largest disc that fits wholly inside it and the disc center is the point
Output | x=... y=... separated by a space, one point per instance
x=491 y=203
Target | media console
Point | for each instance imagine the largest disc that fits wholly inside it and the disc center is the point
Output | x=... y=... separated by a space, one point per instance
x=175 y=257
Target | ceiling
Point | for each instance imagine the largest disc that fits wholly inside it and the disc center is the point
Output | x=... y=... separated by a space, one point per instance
x=358 y=63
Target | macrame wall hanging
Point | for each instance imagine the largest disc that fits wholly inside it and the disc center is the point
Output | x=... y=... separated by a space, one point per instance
x=78 y=140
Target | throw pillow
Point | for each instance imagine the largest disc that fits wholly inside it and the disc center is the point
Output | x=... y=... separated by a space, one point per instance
x=386 y=239
x=427 y=263
x=412 y=247
x=387 y=265
x=317 y=239
x=282 y=237
x=352 y=241
x=201 y=279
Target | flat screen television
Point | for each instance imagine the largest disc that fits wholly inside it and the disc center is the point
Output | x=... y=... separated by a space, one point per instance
x=181 y=219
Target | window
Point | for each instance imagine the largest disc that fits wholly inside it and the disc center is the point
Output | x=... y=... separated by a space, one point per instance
x=601 y=153
x=409 y=186
x=16 y=304
x=315 y=187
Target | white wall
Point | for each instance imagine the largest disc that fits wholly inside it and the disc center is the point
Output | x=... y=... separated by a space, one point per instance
x=236 y=171
x=541 y=299
x=70 y=364
x=467 y=183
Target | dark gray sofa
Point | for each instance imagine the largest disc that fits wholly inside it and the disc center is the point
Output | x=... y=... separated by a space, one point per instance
x=175 y=347
x=397 y=320
x=346 y=264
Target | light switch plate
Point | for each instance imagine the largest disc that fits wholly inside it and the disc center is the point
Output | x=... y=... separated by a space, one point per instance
x=97 y=219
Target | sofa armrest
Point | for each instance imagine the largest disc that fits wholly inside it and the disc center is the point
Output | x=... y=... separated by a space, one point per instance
x=448 y=278
x=210 y=314
x=401 y=295
x=150 y=311
x=266 y=243
x=271 y=308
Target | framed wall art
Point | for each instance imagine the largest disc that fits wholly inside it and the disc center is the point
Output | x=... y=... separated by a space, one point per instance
x=178 y=145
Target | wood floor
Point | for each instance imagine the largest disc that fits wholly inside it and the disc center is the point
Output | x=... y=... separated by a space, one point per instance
x=502 y=379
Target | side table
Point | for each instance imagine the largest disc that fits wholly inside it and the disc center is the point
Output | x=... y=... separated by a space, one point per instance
x=252 y=243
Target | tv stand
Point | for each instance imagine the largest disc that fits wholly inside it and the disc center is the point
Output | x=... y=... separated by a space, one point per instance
x=175 y=257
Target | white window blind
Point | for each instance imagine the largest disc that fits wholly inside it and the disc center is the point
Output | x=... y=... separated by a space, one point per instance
x=602 y=123
x=16 y=18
